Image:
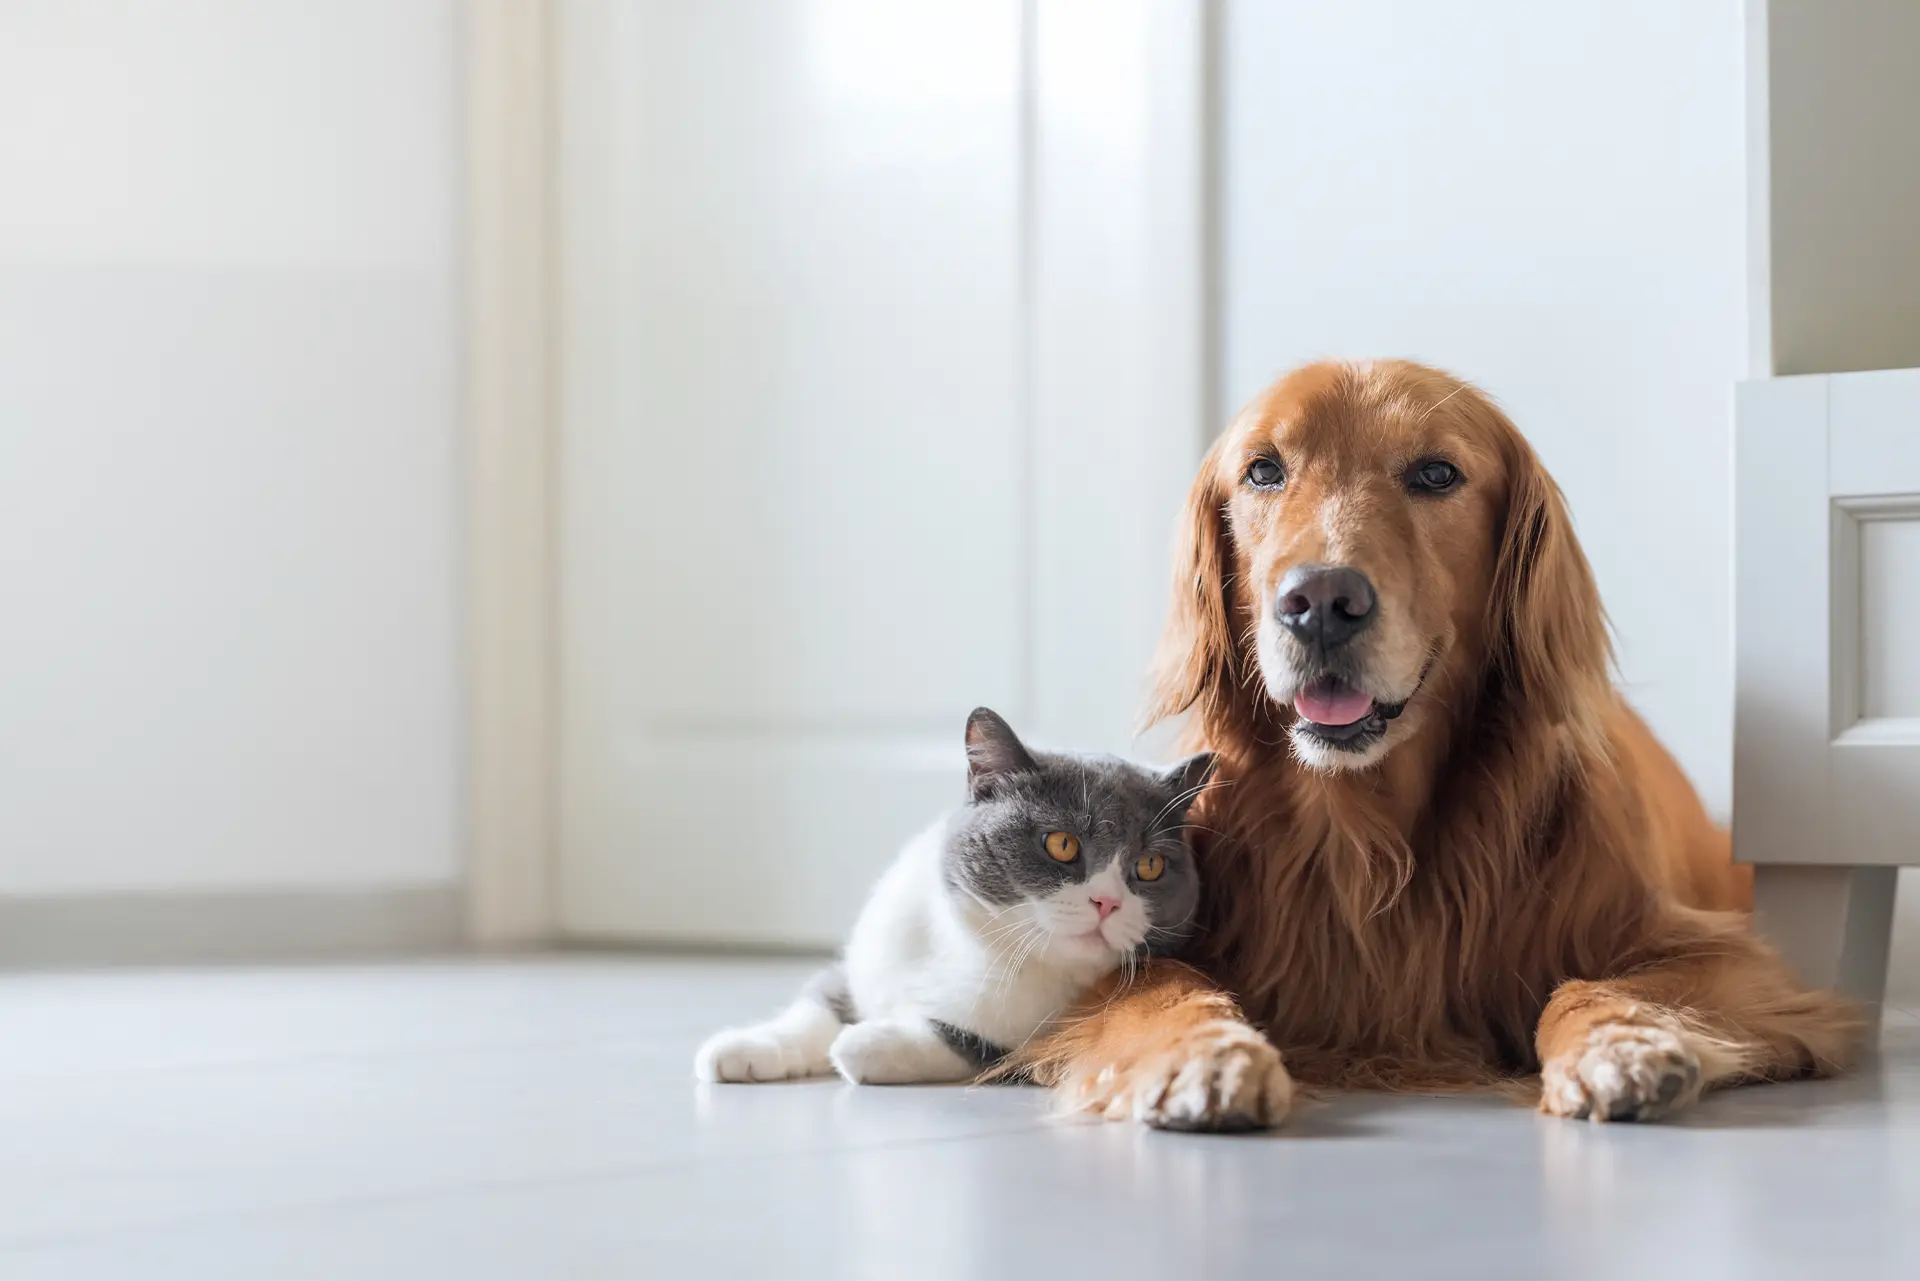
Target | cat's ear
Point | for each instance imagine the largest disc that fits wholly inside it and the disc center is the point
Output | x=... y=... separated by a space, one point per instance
x=993 y=752
x=1189 y=776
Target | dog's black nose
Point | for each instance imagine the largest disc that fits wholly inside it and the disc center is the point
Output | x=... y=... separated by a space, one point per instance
x=1325 y=605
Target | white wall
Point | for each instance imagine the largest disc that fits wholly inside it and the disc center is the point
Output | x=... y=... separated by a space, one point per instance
x=227 y=445
x=1546 y=199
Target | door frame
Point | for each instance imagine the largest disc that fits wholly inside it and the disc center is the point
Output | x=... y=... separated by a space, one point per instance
x=510 y=441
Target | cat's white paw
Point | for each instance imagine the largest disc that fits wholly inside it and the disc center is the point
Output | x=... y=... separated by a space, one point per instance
x=882 y=1053
x=753 y=1054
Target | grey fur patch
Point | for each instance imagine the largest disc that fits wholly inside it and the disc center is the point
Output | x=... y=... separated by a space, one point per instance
x=979 y=1053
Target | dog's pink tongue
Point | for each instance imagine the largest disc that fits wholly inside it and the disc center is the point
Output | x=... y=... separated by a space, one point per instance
x=1334 y=706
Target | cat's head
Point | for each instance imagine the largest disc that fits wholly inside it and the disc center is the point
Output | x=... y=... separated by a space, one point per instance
x=1084 y=856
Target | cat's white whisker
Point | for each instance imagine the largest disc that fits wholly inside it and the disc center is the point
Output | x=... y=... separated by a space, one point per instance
x=1006 y=929
x=1187 y=797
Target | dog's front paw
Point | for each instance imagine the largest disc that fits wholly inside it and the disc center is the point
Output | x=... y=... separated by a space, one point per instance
x=1220 y=1075
x=1624 y=1072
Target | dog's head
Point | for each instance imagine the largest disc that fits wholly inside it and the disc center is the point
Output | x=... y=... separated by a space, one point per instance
x=1370 y=545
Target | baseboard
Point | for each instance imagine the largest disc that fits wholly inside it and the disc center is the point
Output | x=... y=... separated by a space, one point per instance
x=263 y=925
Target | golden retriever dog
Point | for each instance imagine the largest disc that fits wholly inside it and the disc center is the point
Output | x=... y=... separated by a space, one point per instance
x=1440 y=850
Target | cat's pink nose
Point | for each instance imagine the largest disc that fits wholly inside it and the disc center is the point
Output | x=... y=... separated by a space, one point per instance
x=1105 y=905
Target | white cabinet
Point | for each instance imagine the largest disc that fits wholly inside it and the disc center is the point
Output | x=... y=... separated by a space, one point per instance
x=1827 y=659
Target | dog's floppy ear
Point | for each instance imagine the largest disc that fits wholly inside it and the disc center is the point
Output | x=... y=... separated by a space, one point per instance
x=1550 y=651
x=1199 y=661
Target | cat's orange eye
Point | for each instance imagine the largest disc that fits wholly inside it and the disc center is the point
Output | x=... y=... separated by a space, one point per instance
x=1063 y=846
x=1149 y=867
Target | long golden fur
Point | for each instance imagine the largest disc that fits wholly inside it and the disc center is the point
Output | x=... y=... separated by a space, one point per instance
x=1515 y=879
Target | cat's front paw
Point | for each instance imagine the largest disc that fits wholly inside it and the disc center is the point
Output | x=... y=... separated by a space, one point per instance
x=751 y=1054
x=881 y=1053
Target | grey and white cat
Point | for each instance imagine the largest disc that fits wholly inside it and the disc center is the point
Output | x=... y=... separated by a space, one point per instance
x=1058 y=870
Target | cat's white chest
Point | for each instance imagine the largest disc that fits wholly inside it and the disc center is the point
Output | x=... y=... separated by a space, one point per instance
x=914 y=954
x=1024 y=999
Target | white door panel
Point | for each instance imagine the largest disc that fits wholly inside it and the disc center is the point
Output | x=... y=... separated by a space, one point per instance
x=1890 y=617
x=823 y=487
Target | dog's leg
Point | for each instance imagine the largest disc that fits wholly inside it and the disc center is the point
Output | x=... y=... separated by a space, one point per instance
x=1721 y=1008
x=1167 y=1048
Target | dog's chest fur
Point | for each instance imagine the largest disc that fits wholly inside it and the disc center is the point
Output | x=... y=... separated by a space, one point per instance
x=1386 y=966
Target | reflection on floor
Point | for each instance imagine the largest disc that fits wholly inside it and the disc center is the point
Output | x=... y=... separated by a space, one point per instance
x=535 y=1120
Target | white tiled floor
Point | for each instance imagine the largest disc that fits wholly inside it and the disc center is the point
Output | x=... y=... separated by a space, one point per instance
x=535 y=1120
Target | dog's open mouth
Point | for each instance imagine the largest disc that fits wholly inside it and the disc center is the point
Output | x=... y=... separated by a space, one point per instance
x=1334 y=713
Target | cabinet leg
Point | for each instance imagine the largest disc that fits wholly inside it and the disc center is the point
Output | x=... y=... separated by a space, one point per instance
x=1833 y=924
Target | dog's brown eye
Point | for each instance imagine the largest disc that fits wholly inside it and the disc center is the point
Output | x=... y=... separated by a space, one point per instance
x=1435 y=476
x=1265 y=473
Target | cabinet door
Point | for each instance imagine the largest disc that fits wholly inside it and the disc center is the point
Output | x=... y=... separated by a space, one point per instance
x=1827 y=619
